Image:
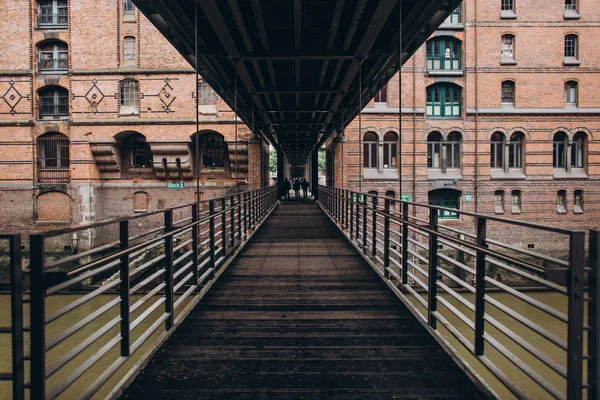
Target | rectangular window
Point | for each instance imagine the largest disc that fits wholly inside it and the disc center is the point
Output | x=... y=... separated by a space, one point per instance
x=571 y=92
x=571 y=5
x=561 y=202
x=129 y=50
x=128 y=7
x=516 y=202
x=497 y=155
x=508 y=5
x=207 y=94
x=508 y=92
x=578 y=202
x=433 y=161
x=499 y=202
x=559 y=154
x=370 y=154
x=571 y=46
x=52 y=14
x=381 y=96
x=390 y=150
x=508 y=45
x=455 y=17
x=514 y=155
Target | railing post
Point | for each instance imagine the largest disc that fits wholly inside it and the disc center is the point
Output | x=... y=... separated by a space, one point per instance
x=195 y=240
x=224 y=226
x=169 y=295
x=481 y=231
x=594 y=314
x=37 y=318
x=232 y=220
x=124 y=289
x=253 y=209
x=239 y=219
x=211 y=233
x=575 y=291
x=374 y=227
x=386 y=239
x=432 y=283
x=351 y=215
x=405 y=235
x=364 y=222
x=338 y=200
x=245 y=216
x=16 y=304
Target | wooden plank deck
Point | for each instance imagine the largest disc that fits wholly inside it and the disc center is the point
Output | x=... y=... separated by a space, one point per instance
x=300 y=315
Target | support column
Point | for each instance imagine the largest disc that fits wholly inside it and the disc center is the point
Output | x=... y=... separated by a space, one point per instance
x=255 y=166
x=280 y=171
x=338 y=164
x=314 y=175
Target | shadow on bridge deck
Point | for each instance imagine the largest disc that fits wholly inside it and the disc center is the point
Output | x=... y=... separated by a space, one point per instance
x=300 y=314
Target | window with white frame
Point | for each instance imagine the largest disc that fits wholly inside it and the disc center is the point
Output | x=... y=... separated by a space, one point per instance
x=129 y=96
x=515 y=150
x=571 y=92
x=381 y=96
x=455 y=17
x=571 y=47
x=559 y=152
x=128 y=7
x=434 y=150
x=370 y=151
x=53 y=57
x=452 y=146
x=508 y=92
x=129 y=50
x=497 y=150
x=444 y=100
x=571 y=5
x=508 y=47
x=508 y=5
x=390 y=150
x=578 y=150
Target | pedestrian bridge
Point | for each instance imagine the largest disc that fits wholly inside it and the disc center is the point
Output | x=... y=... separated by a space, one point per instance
x=352 y=296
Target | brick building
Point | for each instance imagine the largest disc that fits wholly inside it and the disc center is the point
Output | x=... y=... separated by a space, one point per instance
x=97 y=118
x=500 y=115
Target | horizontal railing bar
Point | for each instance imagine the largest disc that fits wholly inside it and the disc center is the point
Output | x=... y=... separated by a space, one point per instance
x=418 y=281
x=146 y=313
x=415 y=266
x=150 y=232
x=417 y=255
x=549 y=362
x=514 y=389
x=529 y=300
x=102 y=379
x=146 y=281
x=397 y=263
x=457 y=264
x=527 y=322
x=457 y=246
x=146 y=249
x=459 y=336
x=184 y=296
x=396 y=243
x=50 y=343
x=419 y=244
x=74 y=352
x=71 y=282
x=456 y=279
x=182 y=257
x=529 y=253
x=396 y=252
x=417 y=297
x=148 y=332
x=146 y=265
x=527 y=275
x=457 y=296
x=458 y=231
x=140 y=302
x=183 y=269
x=182 y=244
x=75 y=257
x=80 y=301
x=517 y=362
x=182 y=220
x=394 y=275
x=467 y=321
x=183 y=281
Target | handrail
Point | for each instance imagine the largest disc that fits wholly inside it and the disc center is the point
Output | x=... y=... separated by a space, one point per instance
x=457 y=286
x=167 y=272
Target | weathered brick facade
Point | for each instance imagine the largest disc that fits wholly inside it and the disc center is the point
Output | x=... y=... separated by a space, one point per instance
x=82 y=166
x=539 y=70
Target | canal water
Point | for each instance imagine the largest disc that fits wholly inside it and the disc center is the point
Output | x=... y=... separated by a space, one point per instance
x=557 y=301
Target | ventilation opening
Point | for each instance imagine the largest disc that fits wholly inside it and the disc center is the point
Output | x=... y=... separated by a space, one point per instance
x=530 y=246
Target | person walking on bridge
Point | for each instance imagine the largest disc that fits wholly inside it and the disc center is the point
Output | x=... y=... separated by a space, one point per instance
x=286 y=187
x=297 y=188
x=305 y=188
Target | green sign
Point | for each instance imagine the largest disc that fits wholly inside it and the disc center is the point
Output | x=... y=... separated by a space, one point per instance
x=405 y=197
x=175 y=185
x=354 y=197
x=361 y=197
x=468 y=198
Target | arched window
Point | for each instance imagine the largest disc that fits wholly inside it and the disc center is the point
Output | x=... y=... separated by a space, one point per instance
x=370 y=150
x=53 y=57
x=508 y=92
x=390 y=150
x=571 y=46
x=508 y=47
x=129 y=97
x=212 y=149
x=54 y=103
x=434 y=150
x=452 y=146
x=560 y=145
x=52 y=14
x=443 y=53
x=140 y=155
x=53 y=158
x=129 y=50
x=499 y=202
x=444 y=100
x=515 y=150
x=571 y=92
x=497 y=150
x=448 y=198
x=578 y=150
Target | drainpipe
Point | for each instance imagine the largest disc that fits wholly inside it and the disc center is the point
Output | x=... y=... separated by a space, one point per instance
x=476 y=116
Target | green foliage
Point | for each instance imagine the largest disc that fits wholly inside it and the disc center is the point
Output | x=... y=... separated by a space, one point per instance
x=272 y=160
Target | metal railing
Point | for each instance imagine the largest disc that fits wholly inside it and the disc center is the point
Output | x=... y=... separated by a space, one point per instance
x=479 y=295
x=54 y=65
x=92 y=312
x=17 y=373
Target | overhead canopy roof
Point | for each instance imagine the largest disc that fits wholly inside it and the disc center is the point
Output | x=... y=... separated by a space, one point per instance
x=298 y=61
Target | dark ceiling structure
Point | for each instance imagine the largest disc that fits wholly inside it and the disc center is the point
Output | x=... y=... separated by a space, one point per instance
x=304 y=67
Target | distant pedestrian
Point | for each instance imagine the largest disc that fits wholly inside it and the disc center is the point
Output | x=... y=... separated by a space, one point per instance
x=305 y=188
x=286 y=187
x=297 y=188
